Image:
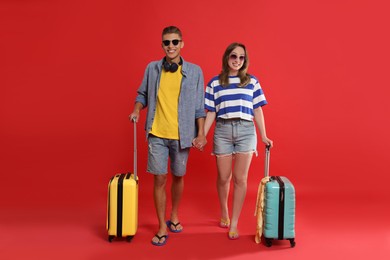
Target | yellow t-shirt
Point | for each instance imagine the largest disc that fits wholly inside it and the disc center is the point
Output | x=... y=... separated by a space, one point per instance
x=166 y=122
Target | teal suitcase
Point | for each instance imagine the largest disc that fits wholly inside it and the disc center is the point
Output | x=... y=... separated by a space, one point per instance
x=279 y=208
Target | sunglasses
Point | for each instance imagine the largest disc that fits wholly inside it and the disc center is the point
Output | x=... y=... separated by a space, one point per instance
x=174 y=42
x=234 y=57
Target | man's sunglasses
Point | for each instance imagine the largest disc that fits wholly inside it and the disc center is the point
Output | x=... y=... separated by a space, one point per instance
x=234 y=57
x=174 y=42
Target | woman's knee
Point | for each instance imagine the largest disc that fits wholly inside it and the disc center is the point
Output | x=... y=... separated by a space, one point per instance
x=240 y=181
x=224 y=179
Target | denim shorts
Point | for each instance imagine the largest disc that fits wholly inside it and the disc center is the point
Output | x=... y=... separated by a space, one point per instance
x=159 y=149
x=233 y=136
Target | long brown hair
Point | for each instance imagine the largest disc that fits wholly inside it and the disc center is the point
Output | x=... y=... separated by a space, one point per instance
x=242 y=73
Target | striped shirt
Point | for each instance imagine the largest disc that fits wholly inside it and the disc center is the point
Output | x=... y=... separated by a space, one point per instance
x=233 y=101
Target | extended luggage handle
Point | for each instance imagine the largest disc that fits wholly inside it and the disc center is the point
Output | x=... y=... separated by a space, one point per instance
x=135 y=148
x=266 y=164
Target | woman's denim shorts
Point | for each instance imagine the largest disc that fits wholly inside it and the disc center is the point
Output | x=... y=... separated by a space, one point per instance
x=233 y=136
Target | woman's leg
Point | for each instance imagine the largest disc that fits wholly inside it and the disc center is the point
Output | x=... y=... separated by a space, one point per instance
x=240 y=177
x=224 y=166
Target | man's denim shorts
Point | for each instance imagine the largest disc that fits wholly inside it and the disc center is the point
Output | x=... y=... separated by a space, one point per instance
x=159 y=149
x=233 y=136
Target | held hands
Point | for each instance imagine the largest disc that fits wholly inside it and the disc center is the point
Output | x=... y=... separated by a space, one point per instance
x=199 y=142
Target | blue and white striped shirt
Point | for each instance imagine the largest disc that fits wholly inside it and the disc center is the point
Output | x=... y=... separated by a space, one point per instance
x=233 y=101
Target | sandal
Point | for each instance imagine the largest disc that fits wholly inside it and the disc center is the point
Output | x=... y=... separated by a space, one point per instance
x=158 y=243
x=233 y=235
x=170 y=224
x=224 y=223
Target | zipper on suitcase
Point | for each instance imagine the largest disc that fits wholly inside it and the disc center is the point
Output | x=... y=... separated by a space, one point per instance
x=281 y=207
x=120 y=206
x=108 y=204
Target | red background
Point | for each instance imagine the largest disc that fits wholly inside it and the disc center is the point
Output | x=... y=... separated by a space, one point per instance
x=69 y=71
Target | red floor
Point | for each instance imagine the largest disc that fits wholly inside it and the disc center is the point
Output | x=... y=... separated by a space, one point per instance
x=327 y=227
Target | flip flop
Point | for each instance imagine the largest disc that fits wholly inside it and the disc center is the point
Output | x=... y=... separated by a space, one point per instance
x=159 y=238
x=233 y=235
x=169 y=223
x=224 y=223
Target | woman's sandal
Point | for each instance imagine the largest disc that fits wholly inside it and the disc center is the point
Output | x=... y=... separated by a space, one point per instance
x=224 y=223
x=233 y=235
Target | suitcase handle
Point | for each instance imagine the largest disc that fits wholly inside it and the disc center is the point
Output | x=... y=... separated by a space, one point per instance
x=266 y=164
x=135 y=148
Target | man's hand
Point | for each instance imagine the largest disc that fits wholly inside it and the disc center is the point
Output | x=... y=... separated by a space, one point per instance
x=199 y=142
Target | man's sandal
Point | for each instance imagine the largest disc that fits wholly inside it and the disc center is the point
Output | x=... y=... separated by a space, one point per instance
x=170 y=224
x=158 y=243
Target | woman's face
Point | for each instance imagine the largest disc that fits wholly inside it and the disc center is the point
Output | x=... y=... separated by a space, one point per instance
x=236 y=60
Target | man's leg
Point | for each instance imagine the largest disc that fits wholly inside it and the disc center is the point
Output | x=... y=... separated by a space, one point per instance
x=157 y=165
x=160 y=198
x=179 y=158
x=176 y=192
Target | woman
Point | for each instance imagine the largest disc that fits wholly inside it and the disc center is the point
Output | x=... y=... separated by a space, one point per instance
x=234 y=98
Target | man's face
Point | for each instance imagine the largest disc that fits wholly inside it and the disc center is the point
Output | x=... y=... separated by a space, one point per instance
x=172 y=44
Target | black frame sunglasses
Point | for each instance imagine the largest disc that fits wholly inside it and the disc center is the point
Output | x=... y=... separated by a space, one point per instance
x=175 y=42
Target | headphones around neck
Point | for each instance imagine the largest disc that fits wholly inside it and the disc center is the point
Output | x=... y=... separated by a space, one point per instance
x=172 y=67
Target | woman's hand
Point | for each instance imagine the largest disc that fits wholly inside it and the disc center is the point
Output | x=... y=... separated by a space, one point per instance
x=268 y=141
x=199 y=142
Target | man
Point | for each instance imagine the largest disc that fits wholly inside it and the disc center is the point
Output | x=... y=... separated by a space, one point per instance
x=173 y=91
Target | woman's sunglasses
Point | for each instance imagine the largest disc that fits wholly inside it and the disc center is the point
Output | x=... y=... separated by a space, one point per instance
x=234 y=57
x=174 y=42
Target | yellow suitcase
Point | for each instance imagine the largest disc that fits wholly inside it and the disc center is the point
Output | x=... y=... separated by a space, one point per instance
x=122 y=202
x=122 y=208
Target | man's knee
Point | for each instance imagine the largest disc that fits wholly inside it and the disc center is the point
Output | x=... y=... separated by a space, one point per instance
x=160 y=180
x=177 y=179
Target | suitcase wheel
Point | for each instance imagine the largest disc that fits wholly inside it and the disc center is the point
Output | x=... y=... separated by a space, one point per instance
x=292 y=242
x=110 y=238
x=129 y=238
x=268 y=242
